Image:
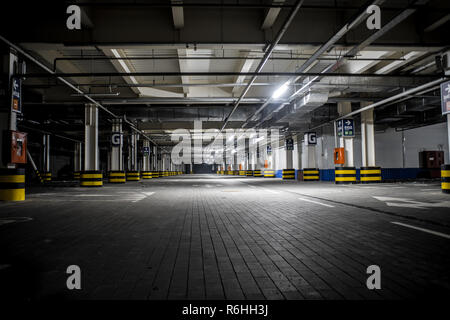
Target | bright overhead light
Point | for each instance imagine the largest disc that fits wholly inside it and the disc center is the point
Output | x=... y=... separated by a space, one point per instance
x=281 y=90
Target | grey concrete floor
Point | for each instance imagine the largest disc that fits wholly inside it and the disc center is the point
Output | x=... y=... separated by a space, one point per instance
x=215 y=237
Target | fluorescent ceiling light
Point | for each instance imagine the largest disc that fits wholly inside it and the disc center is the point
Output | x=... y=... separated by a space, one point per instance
x=281 y=90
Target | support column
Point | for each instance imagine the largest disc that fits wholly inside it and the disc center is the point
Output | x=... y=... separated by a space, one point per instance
x=445 y=170
x=46 y=171
x=309 y=165
x=133 y=173
x=345 y=173
x=289 y=172
x=77 y=160
x=269 y=165
x=12 y=186
x=117 y=172
x=91 y=175
x=146 y=155
x=370 y=173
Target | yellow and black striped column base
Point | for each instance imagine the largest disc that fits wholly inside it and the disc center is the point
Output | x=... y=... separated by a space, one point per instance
x=155 y=174
x=257 y=173
x=288 y=174
x=12 y=184
x=91 y=178
x=39 y=176
x=230 y=173
x=249 y=173
x=76 y=175
x=269 y=173
x=46 y=176
x=133 y=176
x=242 y=173
x=311 y=174
x=165 y=173
x=445 y=178
x=116 y=177
x=370 y=174
x=345 y=175
x=147 y=175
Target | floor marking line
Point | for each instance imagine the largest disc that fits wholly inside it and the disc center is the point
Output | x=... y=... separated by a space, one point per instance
x=317 y=202
x=422 y=229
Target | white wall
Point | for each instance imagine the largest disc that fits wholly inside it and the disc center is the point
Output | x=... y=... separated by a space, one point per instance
x=388 y=147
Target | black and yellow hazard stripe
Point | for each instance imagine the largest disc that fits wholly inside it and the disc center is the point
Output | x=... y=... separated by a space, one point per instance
x=249 y=173
x=147 y=175
x=39 y=176
x=91 y=178
x=155 y=174
x=345 y=175
x=46 y=176
x=116 y=177
x=311 y=174
x=445 y=178
x=76 y=175
x=165 y=173
x=242 y=172
x=133 y=176
x=269 y=173
x=230 y=172
x=12 y=184
x=288 y=174
x=257 y=173
x=370 y=174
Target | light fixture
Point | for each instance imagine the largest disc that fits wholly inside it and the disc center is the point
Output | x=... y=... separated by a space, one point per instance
x=281 y=90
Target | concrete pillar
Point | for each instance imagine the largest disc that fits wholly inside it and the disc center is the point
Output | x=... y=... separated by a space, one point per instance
x=91 y=176
x=91 y=152
x=289 y=158
x=46 y=171
x=116 y=164
x=298 y=143
x=345 y=173
x=77 y=160
x=117 y=146
x=345 y=107
x=133 y=152
x=367 y=138
x=12 y=186
x=146 y=156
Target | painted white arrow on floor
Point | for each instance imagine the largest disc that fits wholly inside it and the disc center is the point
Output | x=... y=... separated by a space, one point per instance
x=409 y=203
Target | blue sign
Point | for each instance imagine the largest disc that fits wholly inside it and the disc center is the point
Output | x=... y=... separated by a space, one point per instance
x=16 y=96
x=445 y=97
x=269 y=149
x=146 y=151
x=346 y=128
x=289 y=144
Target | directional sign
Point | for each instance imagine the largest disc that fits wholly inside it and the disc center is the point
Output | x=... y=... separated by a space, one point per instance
x=445 y=97
x=269 y=150
x=289 y=144
x=146 y=151
x=346 y=128
x=16 y=95
x=310 y=138
x=116 y=139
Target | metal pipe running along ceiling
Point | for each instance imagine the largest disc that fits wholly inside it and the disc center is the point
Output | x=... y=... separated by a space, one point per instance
x=224 y=74
x=355 y=21
x=70 y=85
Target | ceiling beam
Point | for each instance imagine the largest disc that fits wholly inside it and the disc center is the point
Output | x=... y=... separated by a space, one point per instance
x=272 y=15
x=244 y=66
x=177 y=14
